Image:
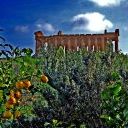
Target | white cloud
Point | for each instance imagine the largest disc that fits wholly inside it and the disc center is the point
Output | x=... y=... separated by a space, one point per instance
x=107 y=2
x=92 y=21
x=22 y=28
x=45 y=27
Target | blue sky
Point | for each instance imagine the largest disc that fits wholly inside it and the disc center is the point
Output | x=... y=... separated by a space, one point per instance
x=21 y=18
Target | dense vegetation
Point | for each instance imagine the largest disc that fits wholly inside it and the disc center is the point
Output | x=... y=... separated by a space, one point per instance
x=78 y=89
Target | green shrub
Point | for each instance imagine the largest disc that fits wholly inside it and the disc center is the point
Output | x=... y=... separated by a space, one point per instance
x=85 y=89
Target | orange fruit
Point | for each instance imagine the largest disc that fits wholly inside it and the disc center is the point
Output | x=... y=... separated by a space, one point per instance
x=17 y=114
x=7 y=114
x=44 y=79
x=17 y=94
x=12 y=100
x=19 y=84
x=8 y=106
x=27 y=83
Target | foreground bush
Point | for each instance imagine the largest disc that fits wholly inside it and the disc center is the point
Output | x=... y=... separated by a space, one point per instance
x=68 y=88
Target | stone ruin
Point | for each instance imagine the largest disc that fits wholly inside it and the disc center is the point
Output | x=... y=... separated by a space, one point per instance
x=92 y=42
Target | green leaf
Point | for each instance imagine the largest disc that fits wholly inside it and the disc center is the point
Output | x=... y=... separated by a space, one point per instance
x=1 y=95
x=2 y=109
x=116 y=89
x=83 y=126
x=125 y=112
x=107 y=117
x=46 y=124
x=54 y=121
x=39 y=72
x=115 y=76
x=105 y=94
x=118 y=117
x=27 y=51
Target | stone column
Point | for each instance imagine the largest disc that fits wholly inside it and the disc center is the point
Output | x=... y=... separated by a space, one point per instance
x=63 y=41
x=98 y=43
x=50 y=41
x=92 y=43
x=85 y=43
x=56 y=41
x=102 y=44
x=116 y=40
x=53 y=43
x=39 y=37
x=89 y=44
x=68 y=44
x=75 y=43
x=72 y=43
x=80 y=42
x=95 y=45
x=116 y=46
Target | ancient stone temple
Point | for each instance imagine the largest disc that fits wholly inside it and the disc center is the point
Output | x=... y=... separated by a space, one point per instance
x=92 y=42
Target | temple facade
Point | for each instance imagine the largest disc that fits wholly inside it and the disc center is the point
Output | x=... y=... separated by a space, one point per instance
x=95 y=42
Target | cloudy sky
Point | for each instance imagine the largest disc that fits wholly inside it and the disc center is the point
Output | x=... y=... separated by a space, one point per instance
x=21 y=18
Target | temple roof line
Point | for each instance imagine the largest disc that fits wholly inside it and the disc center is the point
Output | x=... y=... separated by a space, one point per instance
x=61 y=34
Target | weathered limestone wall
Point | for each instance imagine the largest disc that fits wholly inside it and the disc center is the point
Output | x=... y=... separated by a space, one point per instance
x=72 y=42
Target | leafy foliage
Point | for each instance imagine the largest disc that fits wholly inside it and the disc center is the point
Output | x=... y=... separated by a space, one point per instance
x=84 y=89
